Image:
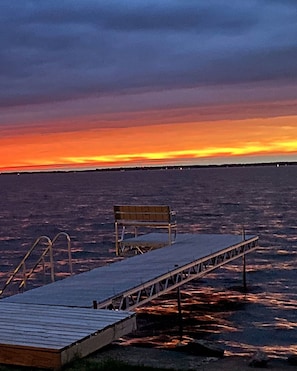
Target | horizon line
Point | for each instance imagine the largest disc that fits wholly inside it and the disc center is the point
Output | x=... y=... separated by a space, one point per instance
x=157 y=167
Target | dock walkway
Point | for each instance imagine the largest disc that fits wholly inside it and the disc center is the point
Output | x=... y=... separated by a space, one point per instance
x=122 y=285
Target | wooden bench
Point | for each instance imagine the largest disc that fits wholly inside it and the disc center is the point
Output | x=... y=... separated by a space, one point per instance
x=139 y=216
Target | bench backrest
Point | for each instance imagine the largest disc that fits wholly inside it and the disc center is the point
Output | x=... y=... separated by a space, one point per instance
x=145 y=213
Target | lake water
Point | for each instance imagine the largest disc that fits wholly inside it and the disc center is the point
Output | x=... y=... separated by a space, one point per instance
x=263 y=199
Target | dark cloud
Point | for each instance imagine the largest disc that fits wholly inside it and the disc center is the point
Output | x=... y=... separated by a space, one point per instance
x=58 y=50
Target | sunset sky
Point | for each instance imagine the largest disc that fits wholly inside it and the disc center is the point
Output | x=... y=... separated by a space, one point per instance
x=89 y=84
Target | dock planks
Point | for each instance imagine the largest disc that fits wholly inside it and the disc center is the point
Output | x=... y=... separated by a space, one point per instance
x=50 y=336
x=55 y=322
x=108 y=282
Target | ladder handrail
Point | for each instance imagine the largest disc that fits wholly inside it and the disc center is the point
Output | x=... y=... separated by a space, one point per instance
x=28 y=275
x=68 y=246
x=21 y=264
x=48 y=249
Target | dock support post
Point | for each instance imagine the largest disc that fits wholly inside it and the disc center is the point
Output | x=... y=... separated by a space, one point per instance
x=244 y=273
x=244 y=264
x=180 y=317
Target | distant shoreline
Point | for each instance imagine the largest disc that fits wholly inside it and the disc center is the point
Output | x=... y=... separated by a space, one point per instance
x=170 y=167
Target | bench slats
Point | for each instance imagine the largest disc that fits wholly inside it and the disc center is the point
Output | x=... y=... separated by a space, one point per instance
x=150 y=213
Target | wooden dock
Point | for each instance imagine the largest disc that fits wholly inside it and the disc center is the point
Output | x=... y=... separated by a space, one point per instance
x=51 y=336
x=122 y=285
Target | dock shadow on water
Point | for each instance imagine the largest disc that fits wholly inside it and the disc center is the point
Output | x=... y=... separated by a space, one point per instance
x=204 y=315
x=207 y=200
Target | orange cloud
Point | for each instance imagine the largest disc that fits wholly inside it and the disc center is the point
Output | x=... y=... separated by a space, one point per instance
x=150 y=144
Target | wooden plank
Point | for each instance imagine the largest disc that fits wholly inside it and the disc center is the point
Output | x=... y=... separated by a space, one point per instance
x=25 y=356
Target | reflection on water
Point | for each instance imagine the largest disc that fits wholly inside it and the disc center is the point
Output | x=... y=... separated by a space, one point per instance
x=221 y=200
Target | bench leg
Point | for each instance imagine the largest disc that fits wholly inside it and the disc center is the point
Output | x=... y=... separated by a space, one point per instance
x=172 y=234
x=117 y=239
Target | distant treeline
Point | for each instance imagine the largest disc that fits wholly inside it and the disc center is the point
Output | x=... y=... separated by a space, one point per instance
x=171 y=167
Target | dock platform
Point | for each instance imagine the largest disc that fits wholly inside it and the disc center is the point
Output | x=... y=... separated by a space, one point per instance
x=122 y=285
x=51 y=336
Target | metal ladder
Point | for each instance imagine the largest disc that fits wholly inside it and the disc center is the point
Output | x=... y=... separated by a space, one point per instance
x=48 y=251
